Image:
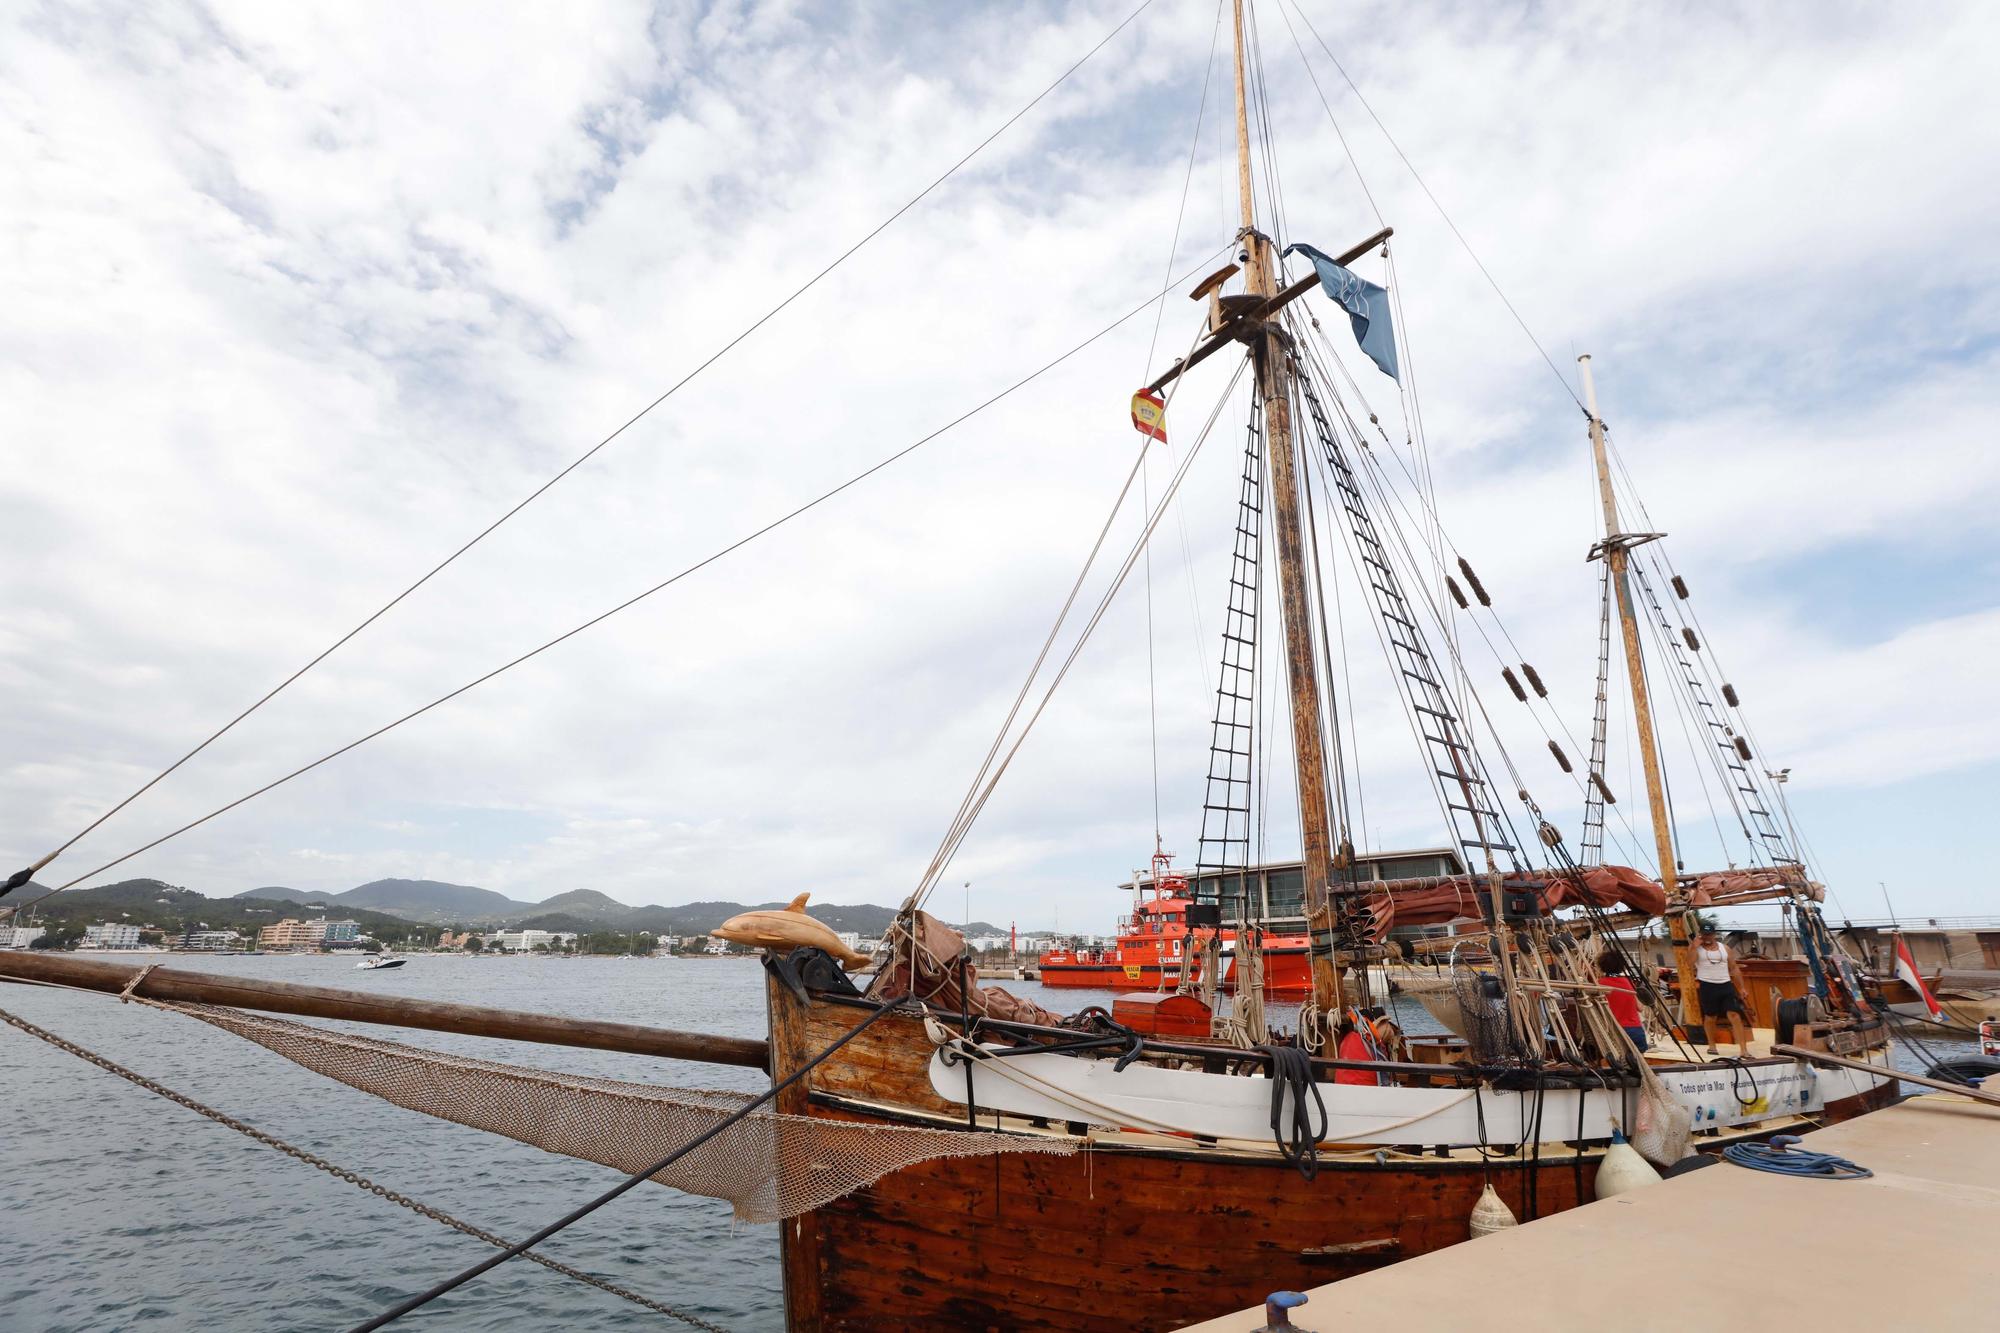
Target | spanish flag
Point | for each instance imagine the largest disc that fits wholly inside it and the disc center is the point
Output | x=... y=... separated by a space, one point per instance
x=1149 y=414
x=1906 y=968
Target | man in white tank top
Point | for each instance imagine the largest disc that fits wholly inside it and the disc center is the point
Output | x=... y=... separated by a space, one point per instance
x=1720 y=982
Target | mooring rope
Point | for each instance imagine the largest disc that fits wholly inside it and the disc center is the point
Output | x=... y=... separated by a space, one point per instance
x=337 y=1172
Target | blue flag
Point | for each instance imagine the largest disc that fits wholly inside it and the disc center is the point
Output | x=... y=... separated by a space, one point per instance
x=1366 y=304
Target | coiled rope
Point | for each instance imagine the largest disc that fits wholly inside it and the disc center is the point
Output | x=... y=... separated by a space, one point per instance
x=1292 y=1082
x=1778 y=1157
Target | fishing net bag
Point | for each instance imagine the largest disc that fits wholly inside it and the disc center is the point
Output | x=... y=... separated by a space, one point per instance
x=768 y=1166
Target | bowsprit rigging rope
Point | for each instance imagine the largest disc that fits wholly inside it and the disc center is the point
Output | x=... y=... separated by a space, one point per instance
x=701 y=564
x=341 y=1173
x=577 y=1214
x=21 y=877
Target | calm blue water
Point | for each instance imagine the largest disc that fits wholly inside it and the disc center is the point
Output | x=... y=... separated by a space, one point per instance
x=119 y=1210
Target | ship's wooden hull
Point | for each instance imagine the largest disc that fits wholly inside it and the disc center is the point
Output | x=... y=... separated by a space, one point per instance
x=1140 y=1235
x=1122 y=1240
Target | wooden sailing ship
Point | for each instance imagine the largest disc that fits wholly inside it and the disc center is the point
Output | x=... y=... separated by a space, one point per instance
x=1216 y=1171
x=1128 y=1178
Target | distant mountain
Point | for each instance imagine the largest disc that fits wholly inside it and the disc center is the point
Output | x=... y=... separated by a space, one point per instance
x=24 y=895
x=151 y=902
x=430 y=901
x=587 y=905
x=277 y=894
x=435 y=903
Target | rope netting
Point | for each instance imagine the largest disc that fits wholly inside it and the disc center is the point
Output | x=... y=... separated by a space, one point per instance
x=768 y=1166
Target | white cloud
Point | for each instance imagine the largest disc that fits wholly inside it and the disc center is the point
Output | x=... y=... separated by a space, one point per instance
x=303 y=297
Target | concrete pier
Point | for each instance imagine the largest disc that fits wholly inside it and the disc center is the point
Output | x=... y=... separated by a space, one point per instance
x=1726 y=1248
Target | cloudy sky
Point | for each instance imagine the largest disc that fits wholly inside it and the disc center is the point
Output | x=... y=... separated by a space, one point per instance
x=298 y=298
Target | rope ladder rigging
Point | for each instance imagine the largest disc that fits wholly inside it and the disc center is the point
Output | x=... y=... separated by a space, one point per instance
x=1227 y=795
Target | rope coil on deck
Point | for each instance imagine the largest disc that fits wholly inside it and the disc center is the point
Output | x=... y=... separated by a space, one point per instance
x=1780 y=1158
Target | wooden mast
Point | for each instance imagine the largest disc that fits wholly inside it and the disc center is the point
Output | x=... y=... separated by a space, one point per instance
x=1617 y=551
x=1274 y=376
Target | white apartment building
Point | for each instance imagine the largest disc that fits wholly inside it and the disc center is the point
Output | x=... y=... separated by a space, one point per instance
x=20 y=937
x=113 y=935
x=525 y=941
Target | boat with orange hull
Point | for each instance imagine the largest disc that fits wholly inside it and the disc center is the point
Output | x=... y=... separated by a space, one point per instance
x=1156 y=948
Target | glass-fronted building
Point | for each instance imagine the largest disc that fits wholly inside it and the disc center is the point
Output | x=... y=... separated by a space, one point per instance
x=1276 y=890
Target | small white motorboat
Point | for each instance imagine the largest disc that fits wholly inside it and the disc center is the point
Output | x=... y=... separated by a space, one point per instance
x=378 y=962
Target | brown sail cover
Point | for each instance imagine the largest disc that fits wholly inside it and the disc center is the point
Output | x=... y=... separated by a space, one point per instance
x=1462 y=897
x=1729 y=885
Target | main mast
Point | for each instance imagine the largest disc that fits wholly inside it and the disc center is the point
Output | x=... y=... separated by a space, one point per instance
x=1616 y=549
x=1274 y=376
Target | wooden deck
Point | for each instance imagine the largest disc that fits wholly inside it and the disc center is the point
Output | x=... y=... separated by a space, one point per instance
x=1727 y=1248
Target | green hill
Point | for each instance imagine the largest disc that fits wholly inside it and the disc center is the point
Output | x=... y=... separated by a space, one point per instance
x=154 y=904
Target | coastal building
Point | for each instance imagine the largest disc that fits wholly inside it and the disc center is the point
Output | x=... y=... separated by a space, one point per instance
x=527 y=941
x=208 y=941
x=448 y=940
x=1275 y=891
x=1937 y=944
x=111 y=935
x=851 y=938
x=20 y=937
x=292 y=933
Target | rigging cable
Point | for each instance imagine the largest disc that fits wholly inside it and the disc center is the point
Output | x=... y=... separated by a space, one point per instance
x=977 y=796
x=21 y=877
x=1800 y=854
x=579 y=1213
x=940 y=856
x=1323 y=355
x=1685 y=701
x=1415 y=175
x=342 y=1173
x=1145 y=480
x=710 y=559
x=1338 y=133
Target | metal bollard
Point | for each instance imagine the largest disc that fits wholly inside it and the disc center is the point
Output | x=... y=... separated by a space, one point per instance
x=1278 y=1307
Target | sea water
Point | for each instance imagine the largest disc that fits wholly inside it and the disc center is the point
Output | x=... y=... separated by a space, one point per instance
x=120 y=1210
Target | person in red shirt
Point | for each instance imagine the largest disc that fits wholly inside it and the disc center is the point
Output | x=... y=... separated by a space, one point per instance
x=1622 y=997
x=1355 y=1046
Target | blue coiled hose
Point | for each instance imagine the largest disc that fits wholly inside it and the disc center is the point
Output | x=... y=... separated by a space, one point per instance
x=1777 y=1156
